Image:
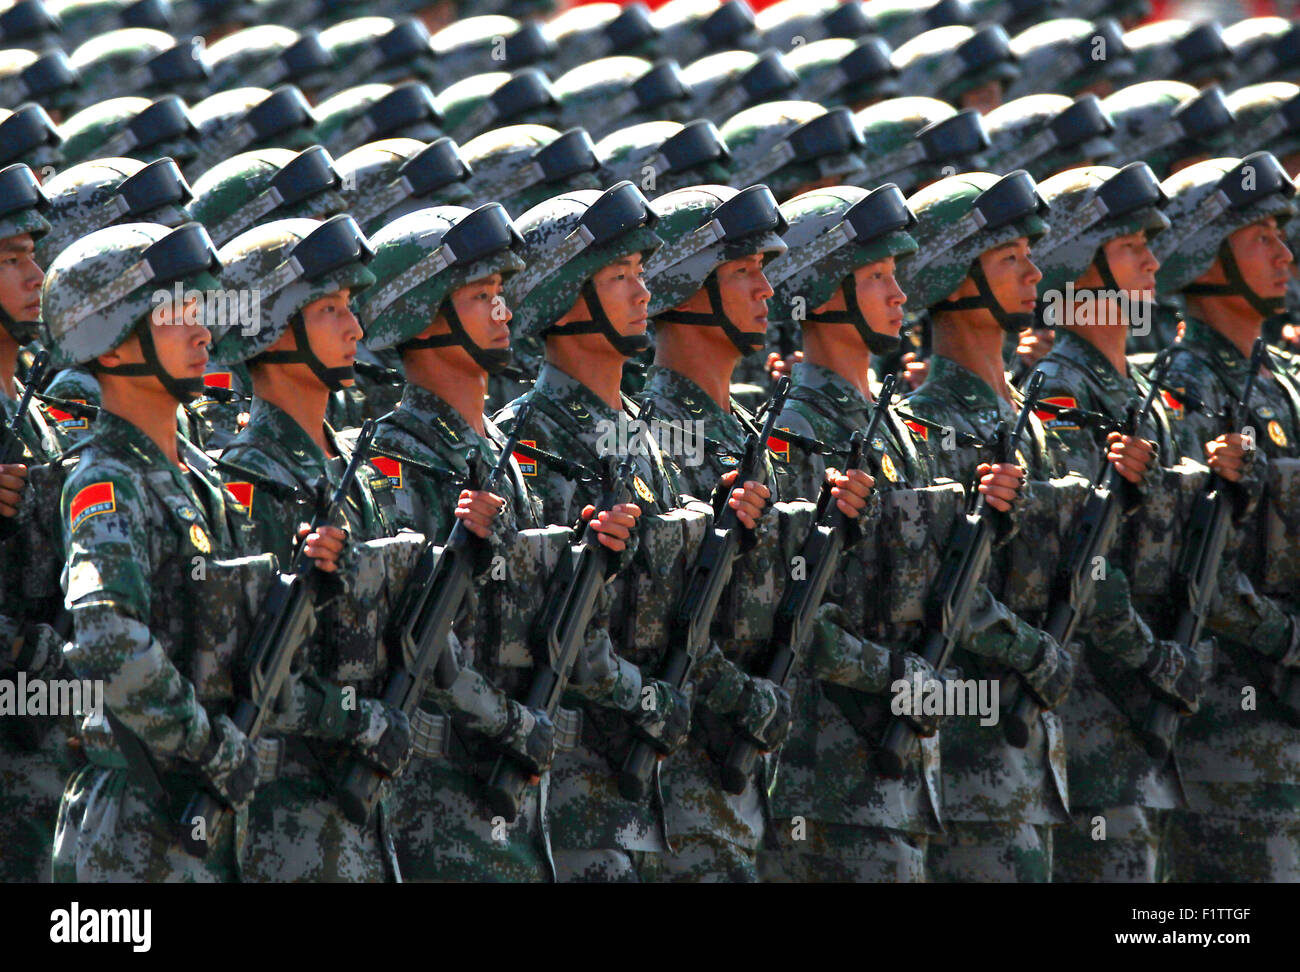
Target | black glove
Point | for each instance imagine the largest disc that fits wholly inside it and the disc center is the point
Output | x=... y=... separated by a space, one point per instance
x=1174 y=675
x=1049 y=677
x=662 y=716
x=228 y=763
x=381 y=735
x=764 y=714
x=529 y=738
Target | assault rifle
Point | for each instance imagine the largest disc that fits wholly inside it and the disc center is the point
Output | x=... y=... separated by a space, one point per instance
x=11 y=449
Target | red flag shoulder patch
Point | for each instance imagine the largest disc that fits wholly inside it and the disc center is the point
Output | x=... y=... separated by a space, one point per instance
x=1173 y=404
x=242 y=492
x=217 y=379
x=527 y=466
x=67 y=421
x=390 y=468
x=922 y=431
x=91 y=501
x=1062 y=401
x=779 y=447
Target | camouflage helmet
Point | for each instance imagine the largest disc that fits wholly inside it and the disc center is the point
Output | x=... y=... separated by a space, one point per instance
x=107 y=192
x=689 y=29
x=1268 y=117
x=1046 y=133
x=1208 y=202
x=373 y=111
x=478 y=45
x=482 y=102
x=840 y=71
x=84 y=19
x=47 y=79
x=1091 y=206
x=949 y=61
x=568 y=239
x=730 y=81
x=377 y=49
x=243 y=119
x=139 y=61
x=594 y=31
x=616 y=91
x=520 y=165
x=1126 y=12
x=31 y=25
x=788 y=144
x=22 y=208
x=1161 y=122
x=420 y=261
x=28 y=135
x=789 y=23
x=959 y=218
x=663 y=156
x=898 y=21
x=909 y=141
x=269 y=55
x=704 y=227
x=1067 y=55
x=1181 y=50
x=288 y=264
x=395 y=176
x=1015 y=15
x=266 y=184
x=1264 y=49
x=136 y=128
x=831 y=233
x=105 y=286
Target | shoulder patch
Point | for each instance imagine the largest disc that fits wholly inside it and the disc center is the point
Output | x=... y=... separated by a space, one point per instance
x=91 y=501
x=779 y=447
x=67 y=421
x=527 y=466
x=218 y=379
x=922 y=432
x=242 y=492
x=1173 y=404
x=390 y=467
x=1053 y=422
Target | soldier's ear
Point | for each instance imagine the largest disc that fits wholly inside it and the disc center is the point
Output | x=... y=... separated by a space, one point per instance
x=125 y=353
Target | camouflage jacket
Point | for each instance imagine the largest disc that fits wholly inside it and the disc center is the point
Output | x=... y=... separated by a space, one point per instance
x=78 y=384
x=216 y=422
x=985 y=778
x=139 y=531
x=1161 y=332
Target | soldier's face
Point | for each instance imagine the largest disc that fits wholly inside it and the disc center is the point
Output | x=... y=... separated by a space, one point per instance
x=623 y=294
x=984 y=98
x=879 y=297
x=180 y=338
x=1132 y=263
x=1012 y=276
x=332 y=329
x=744 y=291
x=483 y=313
x=20 y=278
x=1263 y=257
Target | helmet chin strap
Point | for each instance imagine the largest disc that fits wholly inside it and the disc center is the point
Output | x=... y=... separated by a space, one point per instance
x=491 y=360
x=627 y=345
x=1011 y=322
x=876 y=342
x=24 y=332
x=331 y=378
x=1236 y=286
x=746 y=344
x=184 y=390
x=1109 y=283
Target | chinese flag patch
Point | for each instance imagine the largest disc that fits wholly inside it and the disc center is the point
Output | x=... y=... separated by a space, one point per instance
x=67 y=421
x=527 y=466
x=91 y=501
x=390 y=468
x=1173 y=404
x=919 y=429
x=779 y=447
x=242 y=492
x=1063 y=401
x=218 y=379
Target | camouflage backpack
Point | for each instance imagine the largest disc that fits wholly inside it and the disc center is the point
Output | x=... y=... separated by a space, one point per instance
x=139 y=61
x=136 y=128
x=370 y=112
x=1180 y=50
x=390 y=178
x=1163 y=122
x=617 y=91
x=22 y=208
x=662 y=156
x=789 y=144
x=1046 y=133
x=1068 y=56
x=521 y=165
x=910 y=141
x=269 y=55
x=482 y=102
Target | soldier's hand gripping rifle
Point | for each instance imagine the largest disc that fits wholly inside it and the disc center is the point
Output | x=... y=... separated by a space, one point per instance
x=1075 y=584
x=952 y=593
x=792 y=627
x=11 y=448
x=702 y=592
x=562 y=630
x=1197 y=570
x=278 y=633
x=417 y=634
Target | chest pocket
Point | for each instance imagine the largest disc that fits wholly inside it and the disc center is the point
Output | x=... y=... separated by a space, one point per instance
x=914 y=526
x=1280 y=570
x=646 y=594
x=1153 y=535
x=225 y=597
x=1026 y=565
x=512 y=593
x=760 y=575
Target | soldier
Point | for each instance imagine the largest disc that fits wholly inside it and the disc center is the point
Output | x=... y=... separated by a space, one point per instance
x=792 y=146
x=305 y=272
x=269 y=55
x=452 y=328
x=140 y=62
x=968 y=66
x=1046 y=133
x=609 y=93
x=34 y=759
x=975 y=276
x=662 y=156
x=689 y=29
x=133 y=127
x=45 y=79
x=788 y=24
x=28 y=135
x=709 y=306
x=1069 y=56
x=495 y=99
x=1227 y=256
x=519 y=166
x=600 y=30
x=730 y=81
x=376 y=50
x=369 y=112
x=1264 y=49
x=476 y=45
x=247 y=119
x=583 y=292
x=1180 y=50
x=839 y=71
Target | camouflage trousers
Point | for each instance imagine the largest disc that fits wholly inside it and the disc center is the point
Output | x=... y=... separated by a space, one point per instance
x=110 y=831
x=1126 y=851
x=444 y=830
x=298 y=833
x=992 y=852
x=31 y=786
x=714 y=834
x=607 y=866
x=1230 y=850
x=813 y=852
